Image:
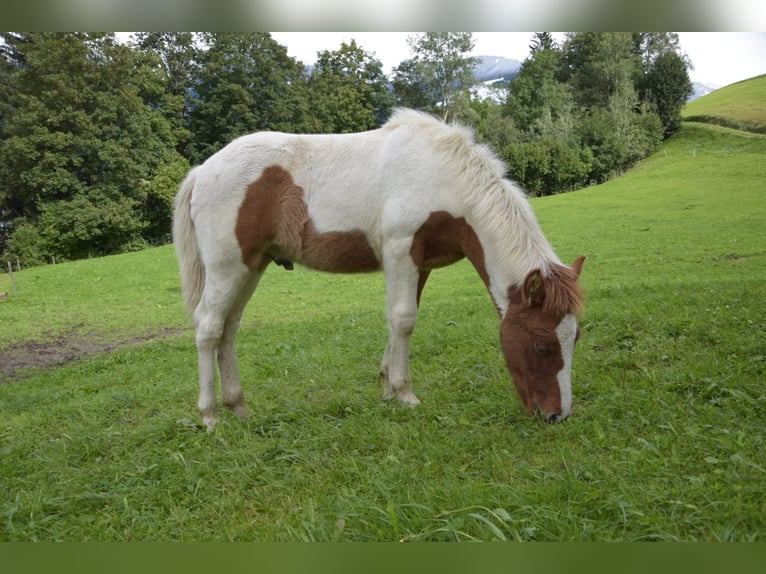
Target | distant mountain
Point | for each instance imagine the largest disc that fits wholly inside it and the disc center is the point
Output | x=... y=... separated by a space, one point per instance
x=700 y=90
x=491 y=69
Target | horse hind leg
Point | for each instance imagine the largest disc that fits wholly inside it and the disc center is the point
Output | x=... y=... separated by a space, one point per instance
x=223 y=285
x=231 y=388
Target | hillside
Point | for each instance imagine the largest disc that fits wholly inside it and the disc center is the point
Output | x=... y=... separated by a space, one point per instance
x=739 y=106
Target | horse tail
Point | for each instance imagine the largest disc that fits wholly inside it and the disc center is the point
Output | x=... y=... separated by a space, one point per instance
x=187 y=249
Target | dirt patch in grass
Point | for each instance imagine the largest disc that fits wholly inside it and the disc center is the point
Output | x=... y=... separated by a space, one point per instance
x=24 y=359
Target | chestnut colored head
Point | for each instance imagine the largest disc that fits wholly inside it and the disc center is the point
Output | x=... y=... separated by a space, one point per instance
x=538 y=335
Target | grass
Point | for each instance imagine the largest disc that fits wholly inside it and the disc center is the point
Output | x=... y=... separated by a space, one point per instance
x=112 y=298
x=738 y=105
x=666 y=440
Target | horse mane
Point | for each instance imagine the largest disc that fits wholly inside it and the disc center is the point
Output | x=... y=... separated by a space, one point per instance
x=497 y=203
x=563 y=293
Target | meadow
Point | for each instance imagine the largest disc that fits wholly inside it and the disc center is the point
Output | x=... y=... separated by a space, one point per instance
x=738 y=105
x=666 y=440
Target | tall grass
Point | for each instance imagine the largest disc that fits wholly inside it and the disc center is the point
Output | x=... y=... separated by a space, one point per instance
x=666 y=440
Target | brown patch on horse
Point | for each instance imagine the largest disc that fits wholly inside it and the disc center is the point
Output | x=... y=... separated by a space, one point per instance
x=273 y=219
x=262 y=210
x=337 y=251
x=443 y=240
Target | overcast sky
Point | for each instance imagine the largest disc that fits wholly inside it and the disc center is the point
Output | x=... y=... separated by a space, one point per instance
x=719 y=58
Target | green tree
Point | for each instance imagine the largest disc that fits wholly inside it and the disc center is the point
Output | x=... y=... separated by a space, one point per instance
x=650 y=45
x=537 y=101
x=492 y=124
x=439 y=69
x=82 y=143
x=598 y=64
x=617 y=136
x=549 y=157
x=174 y=56
x=8 y=67
x=548 y=165
x=665 y=83
x=542 y=41
x=246 y=82
x=410 y=87
x=349 y=91
x=601 y=69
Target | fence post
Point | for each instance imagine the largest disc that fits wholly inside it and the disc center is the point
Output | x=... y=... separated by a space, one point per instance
x=13 y=280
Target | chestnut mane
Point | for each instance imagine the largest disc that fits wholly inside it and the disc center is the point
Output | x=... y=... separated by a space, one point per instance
x=563 y=293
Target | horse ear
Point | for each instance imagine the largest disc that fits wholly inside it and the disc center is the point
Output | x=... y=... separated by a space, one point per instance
x=534 y=289
x=577 y=265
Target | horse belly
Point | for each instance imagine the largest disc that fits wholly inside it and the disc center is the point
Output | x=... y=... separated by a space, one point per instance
x=337 y=251
x=336 y=236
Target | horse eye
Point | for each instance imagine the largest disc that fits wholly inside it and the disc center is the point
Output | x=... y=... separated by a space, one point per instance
x=543 y=349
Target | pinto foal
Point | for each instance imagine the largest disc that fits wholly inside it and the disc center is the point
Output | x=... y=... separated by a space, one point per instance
x=410 y=197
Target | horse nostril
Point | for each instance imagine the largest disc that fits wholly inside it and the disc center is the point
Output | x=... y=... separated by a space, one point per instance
x=553 y=418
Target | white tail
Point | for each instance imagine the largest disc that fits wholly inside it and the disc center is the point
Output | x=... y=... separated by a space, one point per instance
x=185 y=240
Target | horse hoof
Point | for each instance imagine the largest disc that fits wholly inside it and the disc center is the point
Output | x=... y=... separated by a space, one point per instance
x=209 y=422
x=408 y=398
x=240 y=411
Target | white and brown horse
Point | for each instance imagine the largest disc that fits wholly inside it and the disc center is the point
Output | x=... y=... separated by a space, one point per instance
x=412 y=196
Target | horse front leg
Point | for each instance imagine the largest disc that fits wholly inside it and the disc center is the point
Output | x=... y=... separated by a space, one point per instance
x=388 y=390
x=401 y=293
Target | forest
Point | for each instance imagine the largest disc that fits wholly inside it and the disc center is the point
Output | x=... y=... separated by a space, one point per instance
x=96 y=134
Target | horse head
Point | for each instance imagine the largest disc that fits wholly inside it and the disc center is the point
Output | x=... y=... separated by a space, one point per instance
x=538 y=335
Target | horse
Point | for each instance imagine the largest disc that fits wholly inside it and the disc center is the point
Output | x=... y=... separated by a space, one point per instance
x=409 y=197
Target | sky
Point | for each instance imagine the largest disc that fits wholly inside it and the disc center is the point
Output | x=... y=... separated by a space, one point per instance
x=719 y=58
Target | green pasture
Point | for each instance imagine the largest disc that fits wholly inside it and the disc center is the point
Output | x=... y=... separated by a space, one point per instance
x=739 y=105
x=666 y=441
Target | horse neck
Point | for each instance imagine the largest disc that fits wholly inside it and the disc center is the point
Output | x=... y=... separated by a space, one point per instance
x=512 y=245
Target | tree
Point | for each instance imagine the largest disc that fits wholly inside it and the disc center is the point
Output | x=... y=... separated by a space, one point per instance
x=664 y=81
x=537 y=101
x=8 y=67
x=440 y=68
x=411 y=88
x=579 y=111
x=650 y=45
x=82 y=143
x=175 y=58
x=246 y=83
x=549 y=157
x=348 y=90
x=601 y=69
x=492 y=124
x=598 y=64
x=542 y=41
x=548 y=165
x=618 y=136
x=666 y=85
